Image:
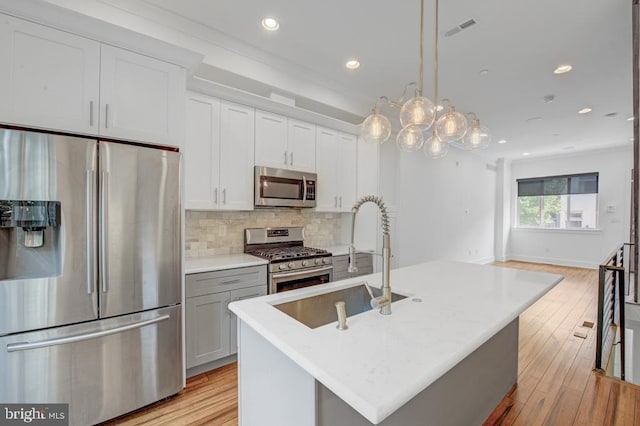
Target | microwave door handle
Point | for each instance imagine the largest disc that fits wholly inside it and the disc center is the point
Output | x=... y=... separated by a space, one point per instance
x=304 y=188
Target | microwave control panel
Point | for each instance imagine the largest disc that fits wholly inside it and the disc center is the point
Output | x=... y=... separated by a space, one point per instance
x=311 y=190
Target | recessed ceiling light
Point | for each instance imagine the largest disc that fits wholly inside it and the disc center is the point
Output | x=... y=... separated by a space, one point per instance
x=561 y=69
x=502 y=141
x=525 y=153
x=439 y=108
x=630 y=118
x=533 y=119
x=483 y=72
x=352 y=64
x=585 y=110
x=270 y=24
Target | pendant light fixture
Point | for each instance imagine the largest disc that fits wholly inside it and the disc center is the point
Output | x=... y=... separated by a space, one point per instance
x=477 y=136
x=418 y=115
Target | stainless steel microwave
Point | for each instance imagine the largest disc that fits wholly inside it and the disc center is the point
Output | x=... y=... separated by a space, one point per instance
x=284 y=188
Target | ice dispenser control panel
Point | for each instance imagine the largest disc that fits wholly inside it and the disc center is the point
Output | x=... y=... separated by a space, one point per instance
x=32 y=216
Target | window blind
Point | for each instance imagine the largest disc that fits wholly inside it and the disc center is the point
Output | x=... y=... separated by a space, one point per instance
x=585 y=183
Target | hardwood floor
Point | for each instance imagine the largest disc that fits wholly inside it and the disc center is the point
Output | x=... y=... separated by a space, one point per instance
x=556 y=384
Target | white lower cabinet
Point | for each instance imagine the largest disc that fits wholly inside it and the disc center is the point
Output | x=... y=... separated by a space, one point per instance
x=364 y=263
x=210 y=325
x=336 y=169
x=218 y=155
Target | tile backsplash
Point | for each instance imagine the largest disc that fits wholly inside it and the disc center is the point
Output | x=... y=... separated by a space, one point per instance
x=210 y=233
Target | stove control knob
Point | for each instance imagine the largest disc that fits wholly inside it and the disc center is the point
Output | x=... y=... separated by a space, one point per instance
x=318 y=261
x=305 y=263
x=326 y=261
x=282 y=266
x=291 y=265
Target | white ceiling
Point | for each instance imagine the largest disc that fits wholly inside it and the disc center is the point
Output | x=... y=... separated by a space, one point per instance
x=519 y=42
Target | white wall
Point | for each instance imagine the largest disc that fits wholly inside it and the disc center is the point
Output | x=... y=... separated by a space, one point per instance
x=577 y=247
x=446 y=208
x=503 y=208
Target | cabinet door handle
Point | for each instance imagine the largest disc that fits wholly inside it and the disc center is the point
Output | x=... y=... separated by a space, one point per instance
x=215 y=196
x=285 y=158
x=106 y=116
x=291 y=159
x=91 y=114
x=224 y=196
x=335 y=201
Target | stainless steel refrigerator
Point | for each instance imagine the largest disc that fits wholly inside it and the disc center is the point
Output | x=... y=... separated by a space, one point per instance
x=90 y=274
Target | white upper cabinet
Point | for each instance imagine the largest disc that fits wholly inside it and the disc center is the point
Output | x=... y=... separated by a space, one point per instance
x=326 y=162
x=271 y=140
x=48 y=78
x=218 y=155
x=236 y=156
x=55 y=80
x=202 y=153
x=284 y=142
x=301 y=138
x=336 y=168
x=347 y=163
x=141 y=98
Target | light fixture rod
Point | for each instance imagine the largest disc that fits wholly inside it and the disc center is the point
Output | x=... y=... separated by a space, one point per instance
x=421 y=76
x=435 y=59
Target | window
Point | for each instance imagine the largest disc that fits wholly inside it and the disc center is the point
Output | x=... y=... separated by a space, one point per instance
x=564 y=202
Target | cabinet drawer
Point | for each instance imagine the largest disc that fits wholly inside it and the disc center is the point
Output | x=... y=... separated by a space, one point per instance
x=225 y=280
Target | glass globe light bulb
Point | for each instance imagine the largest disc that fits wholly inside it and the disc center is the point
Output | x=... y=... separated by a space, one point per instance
x=376 y=128
x=410 y=138
x=434 y=148
x=418 y=111
x=477 y=137
x=451 y=127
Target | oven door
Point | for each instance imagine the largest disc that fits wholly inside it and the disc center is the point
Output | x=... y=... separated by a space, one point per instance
x=285 y=281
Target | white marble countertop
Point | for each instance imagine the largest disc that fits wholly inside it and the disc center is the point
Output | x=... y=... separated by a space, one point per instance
x=218 y=263
x=381 y=362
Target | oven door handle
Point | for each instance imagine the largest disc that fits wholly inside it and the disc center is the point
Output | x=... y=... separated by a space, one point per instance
x=304 y=188
x=306 y=272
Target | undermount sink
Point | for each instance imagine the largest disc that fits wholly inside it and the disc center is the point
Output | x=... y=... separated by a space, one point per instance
x=318 y=310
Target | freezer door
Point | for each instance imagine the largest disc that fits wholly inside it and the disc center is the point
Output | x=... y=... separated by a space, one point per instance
x=102 y=369
x=139 y=238
x=48 y=271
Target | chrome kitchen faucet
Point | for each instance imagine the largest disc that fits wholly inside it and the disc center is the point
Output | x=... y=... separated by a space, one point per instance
x=383 y=302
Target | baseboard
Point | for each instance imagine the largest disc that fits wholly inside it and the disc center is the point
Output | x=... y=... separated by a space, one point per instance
x=199 y=369
x=484 y=260
x=553 y=261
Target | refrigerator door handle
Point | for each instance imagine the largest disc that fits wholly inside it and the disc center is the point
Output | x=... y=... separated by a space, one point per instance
x=90 y=241
x=23 y=346
x=104 y=220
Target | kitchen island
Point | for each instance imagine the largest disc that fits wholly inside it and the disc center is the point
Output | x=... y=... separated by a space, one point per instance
x=446 y=355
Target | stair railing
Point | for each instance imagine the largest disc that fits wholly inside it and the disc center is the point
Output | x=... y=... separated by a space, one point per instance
x=611 y=299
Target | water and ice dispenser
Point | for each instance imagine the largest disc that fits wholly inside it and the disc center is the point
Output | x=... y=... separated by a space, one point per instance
x=29 y=238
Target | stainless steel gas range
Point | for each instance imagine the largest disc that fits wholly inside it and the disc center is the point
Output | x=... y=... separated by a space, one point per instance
x=291 y=264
